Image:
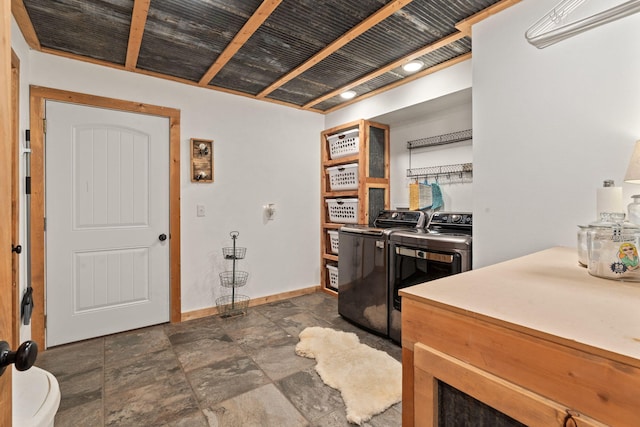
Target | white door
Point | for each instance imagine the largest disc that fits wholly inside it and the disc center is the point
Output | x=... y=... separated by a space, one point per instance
x=107 y=205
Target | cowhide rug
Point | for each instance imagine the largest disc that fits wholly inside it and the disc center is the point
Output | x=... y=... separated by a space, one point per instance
x=369 y=380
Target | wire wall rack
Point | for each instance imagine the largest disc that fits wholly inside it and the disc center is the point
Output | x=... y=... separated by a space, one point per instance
x=448 y=138
x=456 y=171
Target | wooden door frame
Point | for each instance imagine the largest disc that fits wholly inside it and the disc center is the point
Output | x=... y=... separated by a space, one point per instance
x=15 y=195
x=38 y=96
x=6 y=140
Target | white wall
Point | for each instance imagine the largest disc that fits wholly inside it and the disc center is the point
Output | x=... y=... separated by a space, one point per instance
x=432 y=86
x=264 y=153
x=450 y=113
x=549 y=126
x=388 y=108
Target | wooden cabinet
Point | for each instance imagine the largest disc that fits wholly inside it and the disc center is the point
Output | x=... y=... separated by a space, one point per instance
x=371 y=190
x=551 y=364
x=519 y=377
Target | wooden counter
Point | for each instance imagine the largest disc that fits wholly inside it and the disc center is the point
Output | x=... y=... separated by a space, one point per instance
x=540 y=324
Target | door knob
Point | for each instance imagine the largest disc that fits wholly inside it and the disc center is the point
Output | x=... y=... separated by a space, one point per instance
x=162 y=237
x=16 y=249
x=24 y=357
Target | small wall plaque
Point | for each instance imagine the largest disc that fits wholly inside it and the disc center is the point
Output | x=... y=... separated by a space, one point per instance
x=201 y=160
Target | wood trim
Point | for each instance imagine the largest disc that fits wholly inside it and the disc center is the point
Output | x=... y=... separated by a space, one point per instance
x=379 y=16
x=329 y=292
x=251 y=26
x=563 y=342
x=103 y=102
x=175 y=238
x=38 y=96
x=465 y=30
x=266 y=8
x=363 y=172
x=408 y=387
x=464 y=26
x=24 y=22
x=212 y=311
x=6 y=304
x=166 y=77
x=136 y=31
x=416 y=54
x=518 y=403
x=15 y=195
x=351 y=125
x=365 y=183
x=36 y=242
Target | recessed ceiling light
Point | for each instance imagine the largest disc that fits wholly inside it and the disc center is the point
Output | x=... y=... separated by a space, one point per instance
x=413 y=66
x=348 y=94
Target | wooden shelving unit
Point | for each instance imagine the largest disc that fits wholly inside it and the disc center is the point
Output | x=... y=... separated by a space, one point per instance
x=373 y=184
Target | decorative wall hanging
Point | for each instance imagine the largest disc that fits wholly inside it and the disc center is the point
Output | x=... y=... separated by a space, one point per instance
x=556 y=26
x=201 y=160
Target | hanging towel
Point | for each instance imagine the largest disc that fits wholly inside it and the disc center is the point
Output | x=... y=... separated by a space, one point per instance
x=436 y=196
x=419 y=196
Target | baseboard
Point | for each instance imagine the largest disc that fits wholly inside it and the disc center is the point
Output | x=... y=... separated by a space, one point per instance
x=212 y=311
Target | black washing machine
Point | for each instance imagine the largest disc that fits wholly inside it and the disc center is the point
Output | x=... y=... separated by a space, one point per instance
x=363 y=268
x=418 y=256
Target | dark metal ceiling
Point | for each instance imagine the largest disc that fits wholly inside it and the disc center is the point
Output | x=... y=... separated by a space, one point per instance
x=301 y=53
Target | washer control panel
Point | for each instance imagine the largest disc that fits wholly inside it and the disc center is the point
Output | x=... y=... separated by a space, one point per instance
x=461 y=219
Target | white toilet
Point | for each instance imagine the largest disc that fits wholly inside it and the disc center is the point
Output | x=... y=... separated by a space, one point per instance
x=36 y=398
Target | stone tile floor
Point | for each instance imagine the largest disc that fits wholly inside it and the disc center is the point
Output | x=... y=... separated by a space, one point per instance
x=238 y=371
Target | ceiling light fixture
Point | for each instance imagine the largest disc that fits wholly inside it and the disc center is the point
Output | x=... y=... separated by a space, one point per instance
x=413 y=66
x=348 y=94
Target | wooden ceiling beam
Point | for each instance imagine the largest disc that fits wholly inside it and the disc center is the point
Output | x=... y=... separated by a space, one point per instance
x=382 y=14
x=416 y=54
x=251 y=26
x=112 y=65
x=139 y=18
x=464 y=26
x=21 y=15
x=408 y=79
x=136 y=31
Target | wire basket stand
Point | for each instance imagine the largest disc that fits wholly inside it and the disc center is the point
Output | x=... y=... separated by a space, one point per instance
x=234 y=304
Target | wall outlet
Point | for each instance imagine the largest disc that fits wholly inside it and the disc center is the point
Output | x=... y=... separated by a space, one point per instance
x=200 y=211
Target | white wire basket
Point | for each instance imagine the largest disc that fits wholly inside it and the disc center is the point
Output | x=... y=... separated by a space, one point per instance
x=231 y=279
x=234 y=253
x=232 y=305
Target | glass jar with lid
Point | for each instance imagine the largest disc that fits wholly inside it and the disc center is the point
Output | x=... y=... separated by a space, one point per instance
x=613 y=249
x=583 y=247
x=634 y=210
